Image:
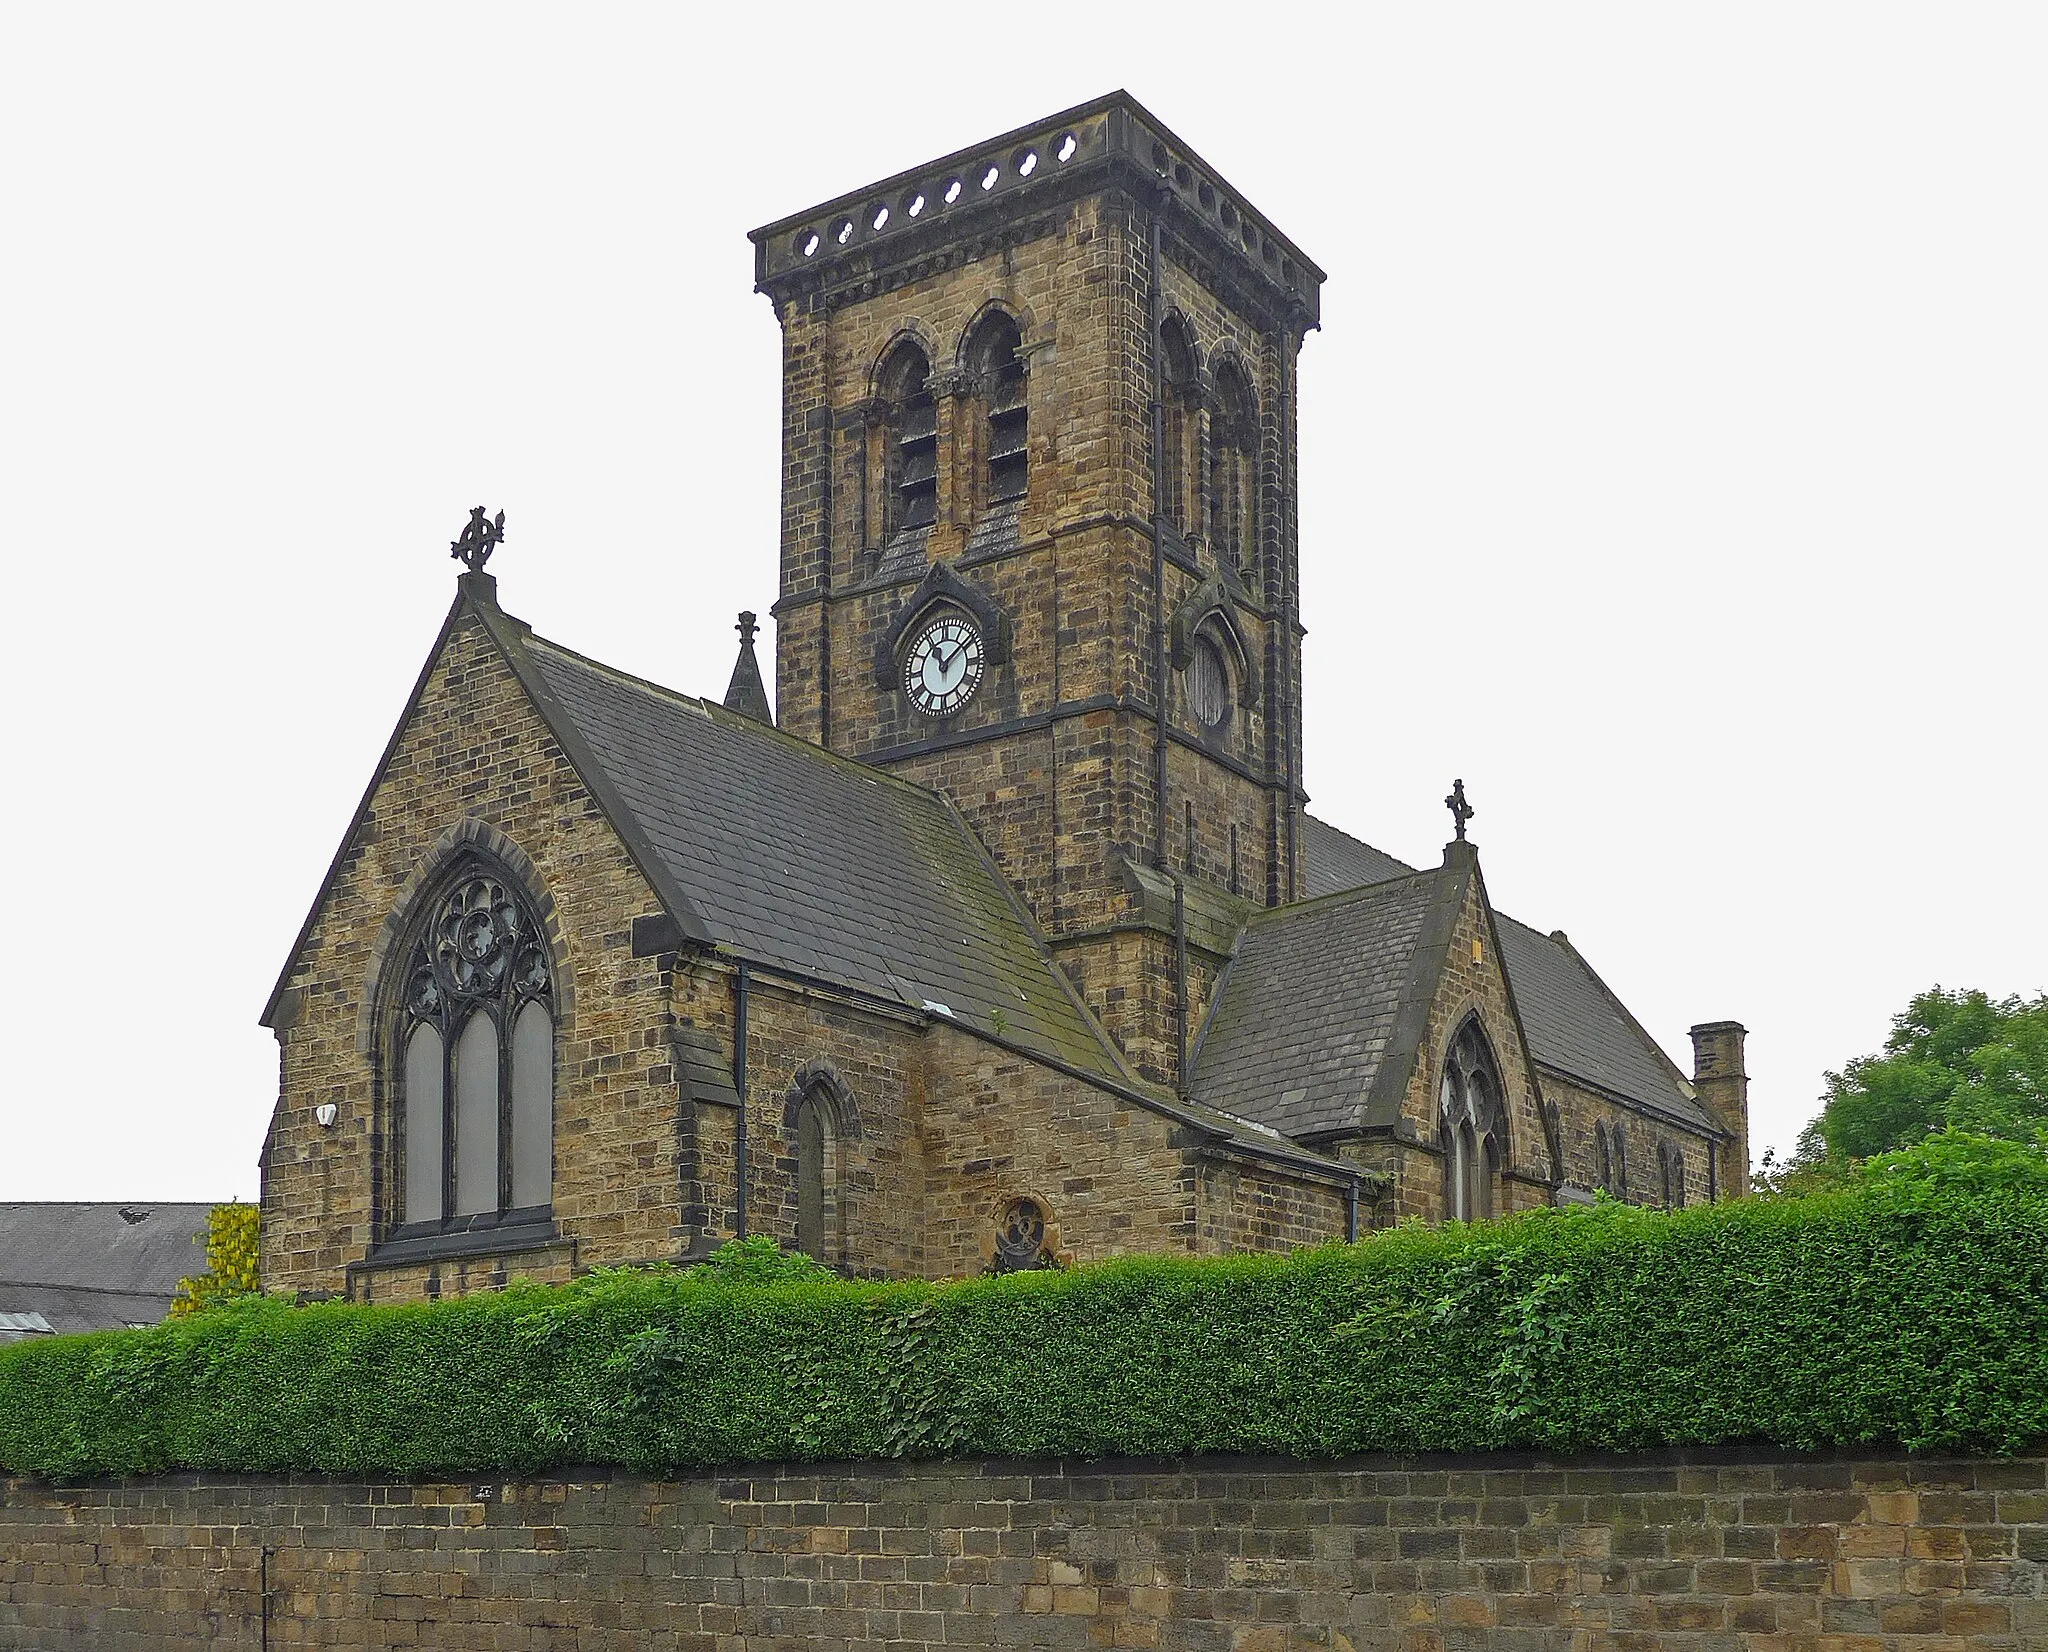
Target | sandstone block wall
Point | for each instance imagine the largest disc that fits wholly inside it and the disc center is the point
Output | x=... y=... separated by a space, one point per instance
x=1686 y=1551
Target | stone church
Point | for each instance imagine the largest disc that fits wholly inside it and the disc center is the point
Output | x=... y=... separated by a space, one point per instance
x=1008 y=941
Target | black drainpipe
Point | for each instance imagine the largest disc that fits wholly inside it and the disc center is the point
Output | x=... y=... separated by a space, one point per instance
x=1180 y=979
x=1351 y=1213
x=263 y=1583
x=1158 y=542
x=740 y=984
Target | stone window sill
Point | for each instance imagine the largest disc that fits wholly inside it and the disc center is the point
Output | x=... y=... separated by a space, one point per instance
x=499 y=1232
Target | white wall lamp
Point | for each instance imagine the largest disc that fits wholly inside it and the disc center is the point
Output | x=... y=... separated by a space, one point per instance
x=326 y=1113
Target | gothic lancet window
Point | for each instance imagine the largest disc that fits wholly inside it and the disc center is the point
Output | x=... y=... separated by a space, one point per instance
x=816 y=1181
x=1472 y=1120
x=998 y=367
x=821 y=1118
x=477 y=1041
x=1179 y=423
x=1233 y=474
x=910 y=441
x=1673 y=1165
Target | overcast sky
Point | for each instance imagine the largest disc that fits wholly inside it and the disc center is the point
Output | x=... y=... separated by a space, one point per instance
x=1672 y=461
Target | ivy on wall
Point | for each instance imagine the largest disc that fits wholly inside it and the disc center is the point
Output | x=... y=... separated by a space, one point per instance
x=233 y=1232
x=1910 y=1309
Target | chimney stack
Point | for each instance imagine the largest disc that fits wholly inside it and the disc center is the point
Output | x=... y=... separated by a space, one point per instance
x=1722 y=1081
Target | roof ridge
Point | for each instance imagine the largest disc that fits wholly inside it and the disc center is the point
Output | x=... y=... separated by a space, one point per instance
x=1265 y=914
x=725 y=717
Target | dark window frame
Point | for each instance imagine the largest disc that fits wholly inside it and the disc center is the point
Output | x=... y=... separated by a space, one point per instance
x=512 y=968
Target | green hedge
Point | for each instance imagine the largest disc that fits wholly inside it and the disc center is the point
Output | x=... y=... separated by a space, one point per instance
x=1897 y=1314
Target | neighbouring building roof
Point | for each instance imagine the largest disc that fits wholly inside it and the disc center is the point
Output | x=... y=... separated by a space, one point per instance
x=1310 y=1006
x=94 y=1267
x=1574 y=1025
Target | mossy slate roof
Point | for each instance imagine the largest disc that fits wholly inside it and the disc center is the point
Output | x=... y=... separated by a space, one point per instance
x=1574 y=1025
x=792 y=857
x=1308 y=1009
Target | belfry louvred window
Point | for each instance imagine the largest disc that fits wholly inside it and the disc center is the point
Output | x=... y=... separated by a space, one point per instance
x=999 y=368
x=1180 y=459
x=477 y=1040
x=910 y=456
x=1233 y=470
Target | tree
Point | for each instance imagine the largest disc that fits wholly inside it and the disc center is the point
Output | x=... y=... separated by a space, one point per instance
x=1954 y=1061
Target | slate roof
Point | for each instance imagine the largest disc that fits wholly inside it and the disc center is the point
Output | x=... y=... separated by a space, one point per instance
x=1574 y=1025
x=1332 y=861
x=95 y=1267
x=1309 y=1005
x=793 y=857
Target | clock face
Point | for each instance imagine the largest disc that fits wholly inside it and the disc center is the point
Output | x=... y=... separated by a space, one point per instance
x=944 y=666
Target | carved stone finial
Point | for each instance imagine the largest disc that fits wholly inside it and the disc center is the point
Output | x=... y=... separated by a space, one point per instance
x=1461 y=811
x=746 y=693
x=480 y=537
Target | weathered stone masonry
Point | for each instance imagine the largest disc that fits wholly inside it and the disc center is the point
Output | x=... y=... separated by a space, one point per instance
x=1725 y=1551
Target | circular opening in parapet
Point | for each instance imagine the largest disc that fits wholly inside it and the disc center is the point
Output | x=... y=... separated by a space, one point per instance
x=1207 y=197
x=878 y=215
x=807 y=243
x=951 y=192
x=1182 y=176
x=1249 y=235
x=1229 y=216
x=913 y=203
x=842 y=232
x=1287 y=269
x=1025 y=161
x=1063 y=149
x=1266 y=250
x=990 y=174
x=1160 y=158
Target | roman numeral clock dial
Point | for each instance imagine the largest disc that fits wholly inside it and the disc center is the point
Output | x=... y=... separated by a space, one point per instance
x=944 y=666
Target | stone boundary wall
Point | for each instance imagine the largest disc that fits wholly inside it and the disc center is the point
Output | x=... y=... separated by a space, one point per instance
x=1691 y=1551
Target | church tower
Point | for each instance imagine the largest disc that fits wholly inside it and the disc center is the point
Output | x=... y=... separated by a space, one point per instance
x=1038 y=531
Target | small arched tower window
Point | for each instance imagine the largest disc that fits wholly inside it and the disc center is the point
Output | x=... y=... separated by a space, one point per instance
x=476 y=1041
x=995 y=359
x=910 y=440
x=1472 y=1121
x=1233 y=471
x=1180 y=422
x=1603 y=1159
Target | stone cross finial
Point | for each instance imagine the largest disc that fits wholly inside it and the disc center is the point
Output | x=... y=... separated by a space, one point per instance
x=746 y=627
x=1461 y=811
x=479 y=538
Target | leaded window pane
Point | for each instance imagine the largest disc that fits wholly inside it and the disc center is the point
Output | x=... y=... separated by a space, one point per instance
x=533 y=1106
x=810 y=1180
x=423 y=1137
x=476 y=1116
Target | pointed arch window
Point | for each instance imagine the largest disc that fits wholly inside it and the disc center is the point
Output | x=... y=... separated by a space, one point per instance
x=1233 y=470
x=477 y=1040
x=996 y=360
x=1610 y=1158
x=1179 y=373
x=1472 y=1121
x=909 y=433
x=821 y=1118
x=1673 y=1157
